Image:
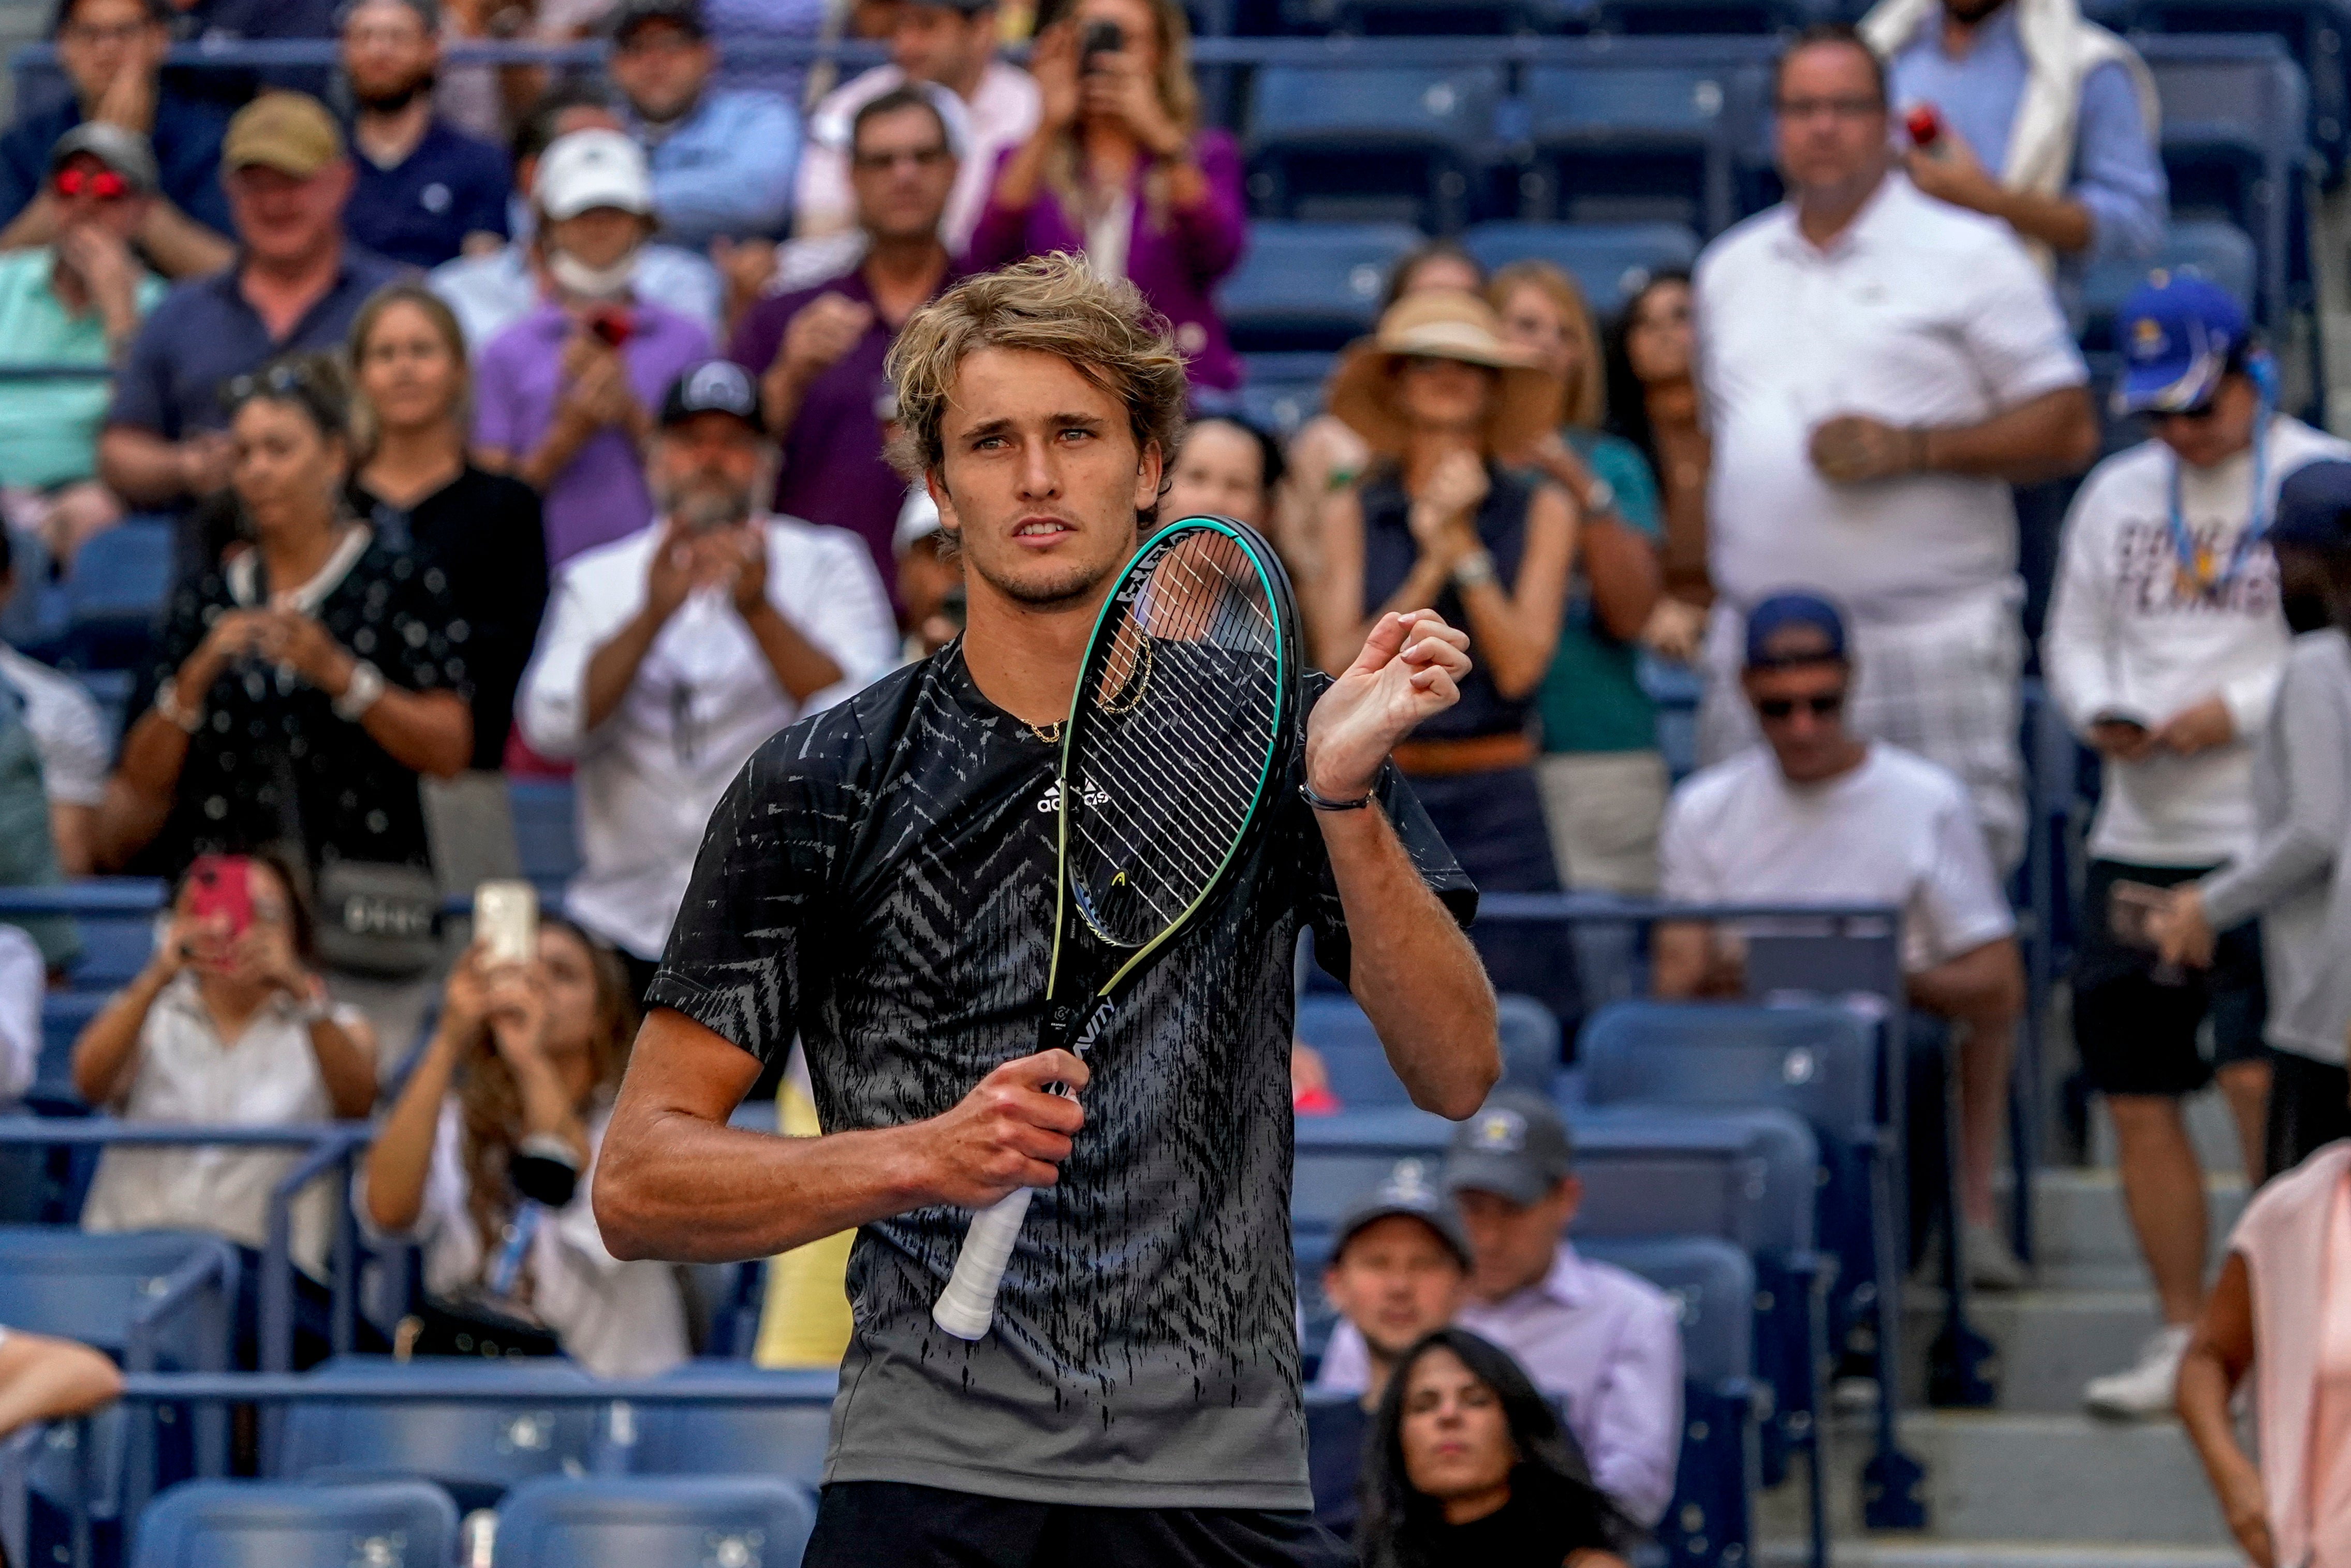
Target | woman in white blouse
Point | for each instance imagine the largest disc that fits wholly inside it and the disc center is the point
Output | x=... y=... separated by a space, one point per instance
x=229 y=1024
x=486 y=1159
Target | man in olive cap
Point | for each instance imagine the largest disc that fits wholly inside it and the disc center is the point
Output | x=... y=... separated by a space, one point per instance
x=296 y=284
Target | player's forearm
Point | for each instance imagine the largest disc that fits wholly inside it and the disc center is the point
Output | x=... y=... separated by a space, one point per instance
x=1412 y=969
x=672 y=1185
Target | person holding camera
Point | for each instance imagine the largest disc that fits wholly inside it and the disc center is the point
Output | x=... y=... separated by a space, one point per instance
x=669 y=655
x=2164 y=650
x=562 y=397
x=485 y=1162
x=1119 y=170
x=229 y=1022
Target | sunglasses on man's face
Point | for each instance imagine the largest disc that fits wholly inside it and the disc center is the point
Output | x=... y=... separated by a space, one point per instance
x=1823 y=706
x=99 y=184
x=2197 y=415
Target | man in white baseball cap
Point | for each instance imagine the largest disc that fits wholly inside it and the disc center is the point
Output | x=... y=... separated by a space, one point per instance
x=563 y=397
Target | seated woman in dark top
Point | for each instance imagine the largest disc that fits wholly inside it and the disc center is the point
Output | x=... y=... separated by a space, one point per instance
x=414 y=483
x=1468 y=1464
x=301 y=686
x=1440 y=520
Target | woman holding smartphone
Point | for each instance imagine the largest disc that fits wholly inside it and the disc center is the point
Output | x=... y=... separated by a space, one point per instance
x=229 y=1022
x=1119 y=170
x=486 y=1162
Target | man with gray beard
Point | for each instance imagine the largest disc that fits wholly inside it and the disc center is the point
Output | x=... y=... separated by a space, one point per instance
x=667 y=656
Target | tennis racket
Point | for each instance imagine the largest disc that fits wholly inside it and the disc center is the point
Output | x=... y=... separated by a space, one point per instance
x=1178 y=739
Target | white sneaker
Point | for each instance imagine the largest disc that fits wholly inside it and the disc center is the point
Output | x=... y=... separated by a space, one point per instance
x=2145 y=1391
x=1990 y=1264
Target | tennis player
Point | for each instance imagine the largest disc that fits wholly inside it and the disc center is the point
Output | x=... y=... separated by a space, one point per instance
x=880 y=882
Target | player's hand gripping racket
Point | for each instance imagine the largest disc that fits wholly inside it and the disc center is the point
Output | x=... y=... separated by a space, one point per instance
x=1177 y=744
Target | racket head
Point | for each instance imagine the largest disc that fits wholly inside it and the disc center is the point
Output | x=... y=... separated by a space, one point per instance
x=1180 y=733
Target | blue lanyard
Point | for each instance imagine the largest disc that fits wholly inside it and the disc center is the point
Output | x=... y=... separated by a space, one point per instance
x=2194 y=575
x=508 y=1268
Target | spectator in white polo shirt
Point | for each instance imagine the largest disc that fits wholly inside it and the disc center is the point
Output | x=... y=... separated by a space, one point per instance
x=2164 y=650
x=1878 y=368
x=1821 y=815
x=669 y=655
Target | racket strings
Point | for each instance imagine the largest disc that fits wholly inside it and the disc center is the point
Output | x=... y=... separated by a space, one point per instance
x=1183 y=714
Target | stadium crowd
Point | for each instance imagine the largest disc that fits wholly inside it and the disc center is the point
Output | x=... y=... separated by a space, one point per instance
x=509 y=424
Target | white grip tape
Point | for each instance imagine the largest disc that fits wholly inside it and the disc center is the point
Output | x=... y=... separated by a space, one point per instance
x=967 y=1305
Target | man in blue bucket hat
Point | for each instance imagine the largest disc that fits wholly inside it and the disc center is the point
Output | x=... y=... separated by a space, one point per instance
x=2164 y=650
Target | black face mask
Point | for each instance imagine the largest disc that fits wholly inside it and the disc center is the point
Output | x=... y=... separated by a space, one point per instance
x=2306 y=612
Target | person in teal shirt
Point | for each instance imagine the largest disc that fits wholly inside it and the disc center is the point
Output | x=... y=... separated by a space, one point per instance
x=1603 y=781
x=76 y=301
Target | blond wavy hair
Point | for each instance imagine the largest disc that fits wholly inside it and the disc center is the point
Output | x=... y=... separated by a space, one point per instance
x=1047 y=305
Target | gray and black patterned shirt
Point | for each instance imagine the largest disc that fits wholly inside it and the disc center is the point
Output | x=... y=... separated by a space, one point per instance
x=879 y=881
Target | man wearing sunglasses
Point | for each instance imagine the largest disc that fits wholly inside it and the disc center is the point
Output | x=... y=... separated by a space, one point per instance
x=76 y=300
x=112 y=53
x=2164 y=650
x=1817 y=814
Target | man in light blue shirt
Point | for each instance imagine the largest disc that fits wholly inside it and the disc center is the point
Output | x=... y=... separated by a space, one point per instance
x=723 y=162
x=2043 y=120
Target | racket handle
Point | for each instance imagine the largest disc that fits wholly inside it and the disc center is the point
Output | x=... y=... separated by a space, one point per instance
x=967 y=1305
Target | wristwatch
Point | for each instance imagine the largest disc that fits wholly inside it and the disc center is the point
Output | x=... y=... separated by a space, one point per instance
x=1473 y=569
x=1599 y=496
x=167 y=703
x=366 y=685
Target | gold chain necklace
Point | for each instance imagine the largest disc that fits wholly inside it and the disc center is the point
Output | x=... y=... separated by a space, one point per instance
x=1050 y=734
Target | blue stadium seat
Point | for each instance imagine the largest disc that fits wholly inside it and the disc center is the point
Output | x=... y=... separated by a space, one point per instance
x=786 y=1439
x=2312 y=31
x=1713 y=1285
x=1386 y=142
x=2235 y=145
x=1643 y=144
x=256 y=1524
x=121 y=579
x=64 y=1015
x=111 y=690
x=1608 y=261
x=112 y=952
x=1360 y=1075
x=1415 y=18
x=1694 y=17
x=2210 y=248
x=613 y=1522
x=156 y=1300
x=1281 y=392
x=1311 y=286
x=474 y=1450
x=547 y=833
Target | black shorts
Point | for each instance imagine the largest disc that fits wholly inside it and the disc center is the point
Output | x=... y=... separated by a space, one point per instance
x=893 y=1524
x=2310 y=1105
x=2138 y=1037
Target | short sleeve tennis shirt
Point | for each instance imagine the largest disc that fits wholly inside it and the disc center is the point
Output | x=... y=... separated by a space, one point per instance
x=879 y=881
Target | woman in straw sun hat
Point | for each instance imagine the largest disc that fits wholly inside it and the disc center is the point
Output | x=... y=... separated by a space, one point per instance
x=1440 y=519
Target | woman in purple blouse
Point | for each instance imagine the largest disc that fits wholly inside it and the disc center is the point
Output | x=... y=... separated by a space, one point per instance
x=1118 y=169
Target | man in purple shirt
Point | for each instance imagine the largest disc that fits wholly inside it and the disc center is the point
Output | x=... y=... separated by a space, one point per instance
x=561 y=397
x=1609 y=1343
x=817 y=352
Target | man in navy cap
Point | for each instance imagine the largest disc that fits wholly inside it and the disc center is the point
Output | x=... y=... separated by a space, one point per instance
x=2164 y=649
x=1399 y=1264
x=667 y=656
x=2291 y=874
x=1819 y=815
x=1607 y=1341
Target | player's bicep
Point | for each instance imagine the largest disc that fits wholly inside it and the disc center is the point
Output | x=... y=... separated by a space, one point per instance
x=681 y=1068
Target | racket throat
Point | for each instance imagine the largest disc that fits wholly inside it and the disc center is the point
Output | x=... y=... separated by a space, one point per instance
x=1073 y=1026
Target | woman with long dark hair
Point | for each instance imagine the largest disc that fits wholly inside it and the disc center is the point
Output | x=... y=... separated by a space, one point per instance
x=486 y=1162
x=1653 y=402
x=1468 y=1464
